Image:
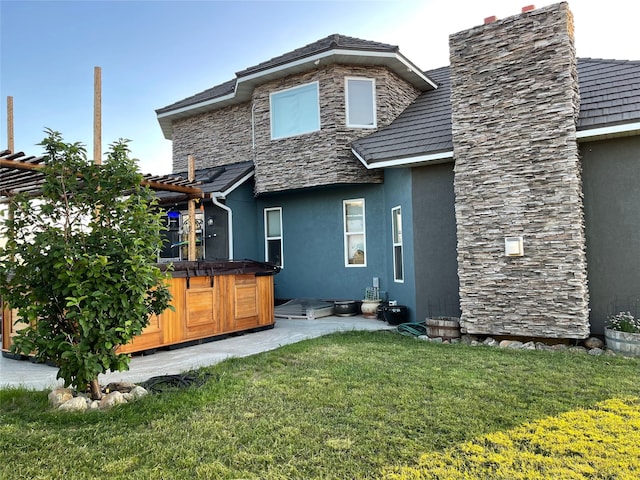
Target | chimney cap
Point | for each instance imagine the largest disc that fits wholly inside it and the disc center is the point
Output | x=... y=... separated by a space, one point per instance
x=490 y=19
x=528 y=8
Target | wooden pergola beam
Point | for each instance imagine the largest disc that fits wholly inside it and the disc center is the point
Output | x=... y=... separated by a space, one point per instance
x=173 y=188
x=20 y=165
x=153 y=184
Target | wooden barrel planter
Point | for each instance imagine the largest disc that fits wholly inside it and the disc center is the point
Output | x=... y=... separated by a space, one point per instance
x=446 y=328
x=623 y=342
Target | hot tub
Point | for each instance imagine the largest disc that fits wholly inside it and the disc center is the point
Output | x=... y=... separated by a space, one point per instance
x=210 y=299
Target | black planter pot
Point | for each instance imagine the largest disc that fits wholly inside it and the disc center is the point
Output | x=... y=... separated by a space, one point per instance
x=347 y=308
x=395 y=314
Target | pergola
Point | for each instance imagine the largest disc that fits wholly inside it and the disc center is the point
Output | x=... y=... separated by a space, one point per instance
x=20 y=173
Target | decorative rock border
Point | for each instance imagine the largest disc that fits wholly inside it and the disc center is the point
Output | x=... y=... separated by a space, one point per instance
x=68 y=400
x=591 y=346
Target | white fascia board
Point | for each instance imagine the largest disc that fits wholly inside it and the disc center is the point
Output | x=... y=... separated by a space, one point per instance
x=415 y=70
x=406 y=161
x=347 y=53
x=620 y=130
x=235 y=185
x=206 y=103
x=286 y=66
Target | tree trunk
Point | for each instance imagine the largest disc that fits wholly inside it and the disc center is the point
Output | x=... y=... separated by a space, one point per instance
x=94 y=387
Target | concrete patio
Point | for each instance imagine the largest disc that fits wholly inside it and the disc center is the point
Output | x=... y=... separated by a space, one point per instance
x=22 y=373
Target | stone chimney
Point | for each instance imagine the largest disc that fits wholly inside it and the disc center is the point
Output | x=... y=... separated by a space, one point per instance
x=520 y=226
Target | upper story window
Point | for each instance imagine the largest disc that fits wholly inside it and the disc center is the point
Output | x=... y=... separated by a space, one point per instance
x=295 y=111
x=360 y=100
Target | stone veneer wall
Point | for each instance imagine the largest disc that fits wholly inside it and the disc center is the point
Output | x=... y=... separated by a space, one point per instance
x=515 y=99
x=323 y=157
x=221 y=137
x=319 y=158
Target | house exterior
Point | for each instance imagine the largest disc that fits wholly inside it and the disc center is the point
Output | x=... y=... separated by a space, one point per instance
x=502 y=189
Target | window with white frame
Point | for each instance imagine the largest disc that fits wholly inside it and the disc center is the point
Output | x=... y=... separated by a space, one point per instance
x=295 y=111
x=360 y=101
x=273 y=235
x=396 y=232
x=355 y=244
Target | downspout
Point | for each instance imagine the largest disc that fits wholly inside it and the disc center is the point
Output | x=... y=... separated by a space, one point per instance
x=214 y=198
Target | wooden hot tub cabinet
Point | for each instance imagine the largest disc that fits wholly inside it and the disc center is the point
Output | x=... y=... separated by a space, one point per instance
x=209 y=299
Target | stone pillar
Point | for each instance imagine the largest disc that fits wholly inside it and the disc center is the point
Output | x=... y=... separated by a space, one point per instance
x=515 y=101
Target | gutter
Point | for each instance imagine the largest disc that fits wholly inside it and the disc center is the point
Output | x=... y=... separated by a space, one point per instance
x=215 y=197
x=626 y=129
x=407 y=161
x=236 y=184
x=342 y=52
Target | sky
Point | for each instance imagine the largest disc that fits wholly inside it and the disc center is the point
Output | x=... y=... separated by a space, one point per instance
x=153 y=53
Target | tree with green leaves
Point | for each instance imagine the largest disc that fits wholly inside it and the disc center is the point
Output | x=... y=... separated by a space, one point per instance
x=79 y=263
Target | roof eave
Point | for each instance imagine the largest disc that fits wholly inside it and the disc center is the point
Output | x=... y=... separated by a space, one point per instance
x=610 y=131
x=409 y=161
x=235 y=185
x=245 y=85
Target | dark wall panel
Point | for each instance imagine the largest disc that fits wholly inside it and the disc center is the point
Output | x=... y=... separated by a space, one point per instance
x=611 y=186
x=434 y=233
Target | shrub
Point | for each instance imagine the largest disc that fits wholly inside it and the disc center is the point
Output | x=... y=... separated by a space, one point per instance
x=624 y=322
x=79 y=262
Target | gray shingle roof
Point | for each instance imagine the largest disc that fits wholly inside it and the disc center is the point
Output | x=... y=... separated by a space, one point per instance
x=330 y=42
x=422 y=128
x=214 y=179
x=609 y=95
x=335 y=41
x=609 y=92
x=210 y=93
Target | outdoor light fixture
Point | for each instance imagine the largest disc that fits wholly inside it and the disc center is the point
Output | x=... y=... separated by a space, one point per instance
x=173 y=220
x=210 y=221
x=513 y=247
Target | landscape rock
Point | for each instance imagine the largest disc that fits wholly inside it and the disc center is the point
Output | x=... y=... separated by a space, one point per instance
x=559 y=347
x=489 y=341
x=514 y=344
x=75 y=404
x=59 y=396
x=529 y=346
x=112 y=399
x=577 y=349
x=122 y=387
x=468 y=339
x=595 y=351
x=593 y=342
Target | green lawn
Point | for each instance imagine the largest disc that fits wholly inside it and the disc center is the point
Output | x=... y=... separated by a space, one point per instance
x=341 y=406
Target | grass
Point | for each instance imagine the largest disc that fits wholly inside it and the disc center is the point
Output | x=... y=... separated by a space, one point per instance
x=341 y=406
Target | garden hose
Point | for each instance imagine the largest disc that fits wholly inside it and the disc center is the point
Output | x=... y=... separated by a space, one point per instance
x=168 y=382
x=412 y=329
